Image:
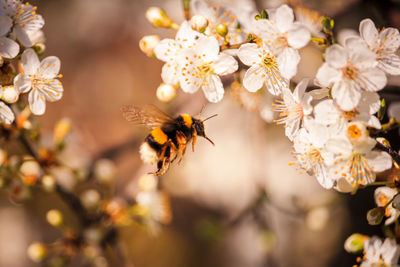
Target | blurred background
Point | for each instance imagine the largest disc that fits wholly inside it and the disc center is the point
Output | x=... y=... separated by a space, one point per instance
x=235 y=204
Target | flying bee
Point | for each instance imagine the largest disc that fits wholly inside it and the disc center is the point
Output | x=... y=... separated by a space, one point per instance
x=168 y=137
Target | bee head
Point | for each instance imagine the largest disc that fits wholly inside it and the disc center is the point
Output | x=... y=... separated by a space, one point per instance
x=199 y=127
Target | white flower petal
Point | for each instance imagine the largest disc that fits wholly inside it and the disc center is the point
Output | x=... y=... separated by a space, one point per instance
x=52 y=90
x=345 y=95
x=374 y=79
x=6 y=114
x=169 y=73
x=5 y=25
x=213 y=89
x=379 y=161
x=37 y=102
x=355 y=42
x=50 y=67
x=253 y=79
x=339 y=144
x=336 y=56
x=389 y=37
x=298 y=36
x=326 y=75
x=22 y=83
x=186 y=36
x=224 y=64
x=326 y=112
x=30 y=62
x=250 y=54
x=166 y=50
x=189 y=81
x=287 y=62
x=284 y=18
x=323 y=176
x=368 y=31
x=300 y=89
x=22 y=36
x=207 y=48
x=8 y=48
x=390 y=64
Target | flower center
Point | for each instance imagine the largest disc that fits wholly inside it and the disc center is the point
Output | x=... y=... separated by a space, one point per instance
x=269 y=61
x=350 y=71
x=354 y=132
x=349 y=115
x=204 y=69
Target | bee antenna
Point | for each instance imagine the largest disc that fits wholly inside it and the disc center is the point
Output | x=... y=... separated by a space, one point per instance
x=202 y=109
x=212 y=116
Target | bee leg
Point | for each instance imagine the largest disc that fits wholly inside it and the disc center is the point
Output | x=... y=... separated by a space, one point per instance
x=194 y=138
x=173 y=149
x=182 y=145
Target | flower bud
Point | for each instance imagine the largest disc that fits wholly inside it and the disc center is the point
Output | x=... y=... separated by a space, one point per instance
x=199 y=23
x=355 y=243
x=54 y=217
x=158 y=18
x=222 y=30
x=104 y=170
x=375 y=216
x=148 y=43
x=90 y=198
x=10 y=94
x=61 y=130
x=37 y=252
x=49 y=183
x=383 y=141
x=30 y=171
x=165 y=92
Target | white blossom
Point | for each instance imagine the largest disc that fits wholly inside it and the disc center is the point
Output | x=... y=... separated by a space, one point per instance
x=217 y=16
x=24 y=18
x=328 y=113
x=378 y=253
x=384 y=44
x=382 y=197
x=354 y=158
x=293 y=108
x=284 y=37
x=40 y=79
x=168 y=50
x=309 y=146
x=264 y=69
x=201 y=66
x=8 y=47
x=349 y=72
x=6 y=114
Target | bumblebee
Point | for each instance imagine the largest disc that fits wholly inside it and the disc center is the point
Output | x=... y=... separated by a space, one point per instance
x=168 y=137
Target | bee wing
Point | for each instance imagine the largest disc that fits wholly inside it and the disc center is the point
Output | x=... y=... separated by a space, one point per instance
x=148 y=115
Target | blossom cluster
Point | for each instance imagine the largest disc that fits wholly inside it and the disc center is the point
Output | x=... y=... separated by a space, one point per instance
x=328 y=126
x=21 y=36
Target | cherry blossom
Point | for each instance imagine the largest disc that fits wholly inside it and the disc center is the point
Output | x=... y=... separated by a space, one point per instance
x=264 y=69
x=384 y=44
x=24 y=17
x=168 y=50
x=201 y=66
x=349 y=72
x=40 y=79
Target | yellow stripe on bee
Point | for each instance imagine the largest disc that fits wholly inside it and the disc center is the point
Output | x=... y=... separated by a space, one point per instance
x=159 y=136
x=187 y=119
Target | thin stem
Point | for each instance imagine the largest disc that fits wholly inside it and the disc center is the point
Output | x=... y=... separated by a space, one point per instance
x=186 y=9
